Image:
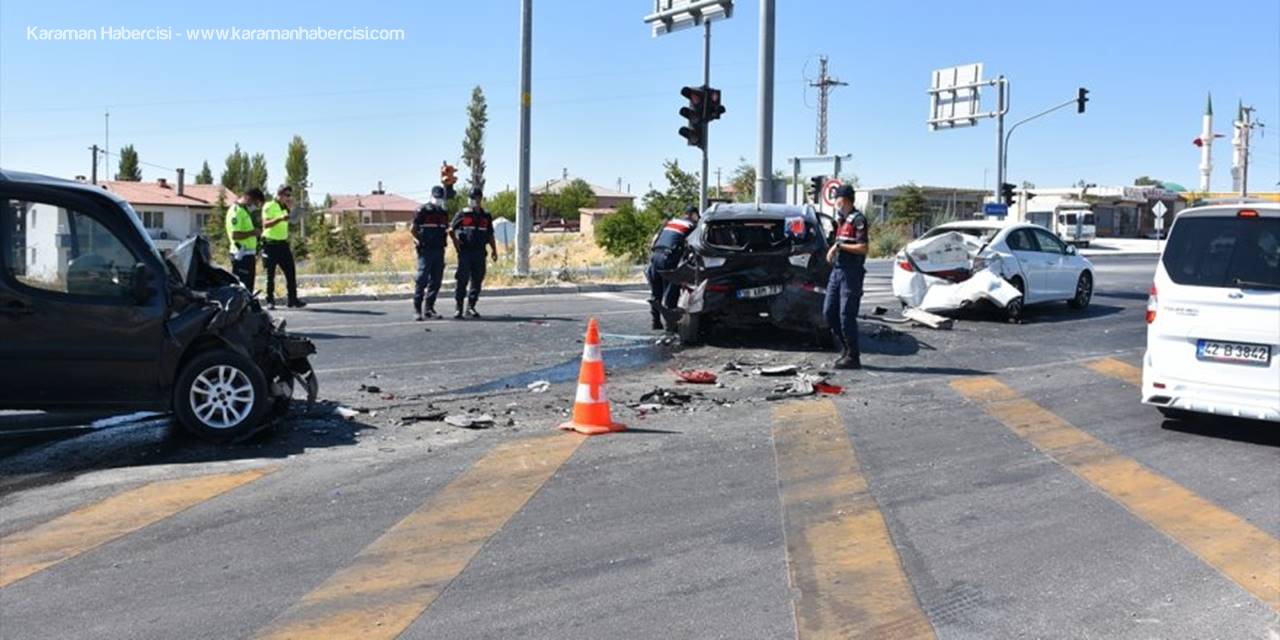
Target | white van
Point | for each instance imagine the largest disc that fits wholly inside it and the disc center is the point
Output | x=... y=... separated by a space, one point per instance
x=1076 y=226
x=1213 y=316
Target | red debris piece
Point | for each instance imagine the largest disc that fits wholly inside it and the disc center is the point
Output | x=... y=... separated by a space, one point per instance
x=696 y=376
x=831 y=389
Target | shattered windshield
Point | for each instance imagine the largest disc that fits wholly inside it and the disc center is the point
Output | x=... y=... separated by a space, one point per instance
x=756 y=234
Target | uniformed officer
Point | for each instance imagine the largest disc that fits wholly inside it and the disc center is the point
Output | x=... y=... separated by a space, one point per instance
x=243 y=237
x=430 y=237
x=848 y=258
x=471 y=232
x=276 y=251
x=665 y=254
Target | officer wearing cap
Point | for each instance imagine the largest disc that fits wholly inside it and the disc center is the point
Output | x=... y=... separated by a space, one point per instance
x=276 y=251
x=848 y=257
x=471 y=231
x=666 y=251
x=430 y=237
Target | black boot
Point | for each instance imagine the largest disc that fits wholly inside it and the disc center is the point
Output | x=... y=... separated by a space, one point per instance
x=457 y=315
x=850 y=360
x=657 y=321
x=472 y=313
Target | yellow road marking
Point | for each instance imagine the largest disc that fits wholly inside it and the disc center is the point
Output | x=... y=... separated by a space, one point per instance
x=393 y=580
x=27 y=552
x=1117 y=369
x=1239 y=550
x=843 y=563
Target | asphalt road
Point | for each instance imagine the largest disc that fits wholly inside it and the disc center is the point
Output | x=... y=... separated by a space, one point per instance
x=992 y=481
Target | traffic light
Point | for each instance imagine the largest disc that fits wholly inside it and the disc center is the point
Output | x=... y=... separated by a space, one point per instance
x=815 y=188
x=1082 y=96
x=1006 y=193
x=696 y=115
x=714 y=108
x=448 y=179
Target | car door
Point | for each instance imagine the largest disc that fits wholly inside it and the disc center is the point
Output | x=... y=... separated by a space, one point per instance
x=1034 y=263
x=1061 y=274
x=73 y=329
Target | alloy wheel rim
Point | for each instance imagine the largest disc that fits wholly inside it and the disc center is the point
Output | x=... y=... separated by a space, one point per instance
x=222 y=397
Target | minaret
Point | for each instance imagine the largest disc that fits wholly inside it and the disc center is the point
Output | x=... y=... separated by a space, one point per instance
x=1238 y=133
x=1206 y=147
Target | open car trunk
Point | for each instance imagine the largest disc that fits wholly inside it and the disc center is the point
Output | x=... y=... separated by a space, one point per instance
x=954 y=270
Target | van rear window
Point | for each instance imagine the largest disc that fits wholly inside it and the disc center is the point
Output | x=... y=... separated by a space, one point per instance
x=1224 y=252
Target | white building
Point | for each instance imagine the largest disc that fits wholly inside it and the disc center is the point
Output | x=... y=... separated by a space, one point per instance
x=171 y=213
x=1119 y=211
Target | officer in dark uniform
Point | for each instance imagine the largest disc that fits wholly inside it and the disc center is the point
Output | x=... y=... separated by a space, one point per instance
x=666 y=251
x=471 y=232
x=848 y=257
x=430 y=237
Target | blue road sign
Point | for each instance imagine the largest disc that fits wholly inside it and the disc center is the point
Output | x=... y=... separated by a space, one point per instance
x=995 y=210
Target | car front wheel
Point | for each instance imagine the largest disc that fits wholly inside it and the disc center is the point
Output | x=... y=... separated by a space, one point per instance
x=221 y=396
x=1084 y=291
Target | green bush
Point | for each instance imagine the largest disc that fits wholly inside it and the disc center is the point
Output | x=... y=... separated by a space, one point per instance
x=888 y=239
x=628 y=232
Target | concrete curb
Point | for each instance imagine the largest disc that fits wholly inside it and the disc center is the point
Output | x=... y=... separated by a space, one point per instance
x=446 y=294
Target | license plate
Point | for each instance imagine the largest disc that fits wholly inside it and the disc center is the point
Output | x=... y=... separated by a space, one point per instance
x=759 y=292
x=1234 y=352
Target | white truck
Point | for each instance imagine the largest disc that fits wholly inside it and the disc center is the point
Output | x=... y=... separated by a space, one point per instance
x=1072 y=221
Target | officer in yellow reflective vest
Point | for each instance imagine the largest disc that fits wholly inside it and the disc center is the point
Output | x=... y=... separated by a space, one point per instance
x=276 y=251
x=242 y=236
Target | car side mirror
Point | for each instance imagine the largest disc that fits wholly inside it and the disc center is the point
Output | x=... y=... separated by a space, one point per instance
x=141 y=280
x=1071 y=250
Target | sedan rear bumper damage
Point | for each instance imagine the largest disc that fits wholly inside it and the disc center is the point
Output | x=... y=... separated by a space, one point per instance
x=951 y=272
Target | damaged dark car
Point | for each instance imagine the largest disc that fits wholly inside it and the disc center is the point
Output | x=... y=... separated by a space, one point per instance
x=753 y=265
x=92 y=316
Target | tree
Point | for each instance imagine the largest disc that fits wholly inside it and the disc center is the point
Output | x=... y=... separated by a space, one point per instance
x=574 y=196
x=473 y=141
x=296 y=170
x=682 y=190
x=503 y=205
x=628 y=232
x=235 y=174
x=910 y=206
x=215 y=230
x=322 y=242
x=351 y=242
x=1146 y=181
x=129 y=169
x=743 y=181
x=206 y=175
x=258 y=172
x=1027 y=184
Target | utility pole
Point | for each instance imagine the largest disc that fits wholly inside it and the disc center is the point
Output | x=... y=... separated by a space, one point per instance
x=717 y=182
x=764 y=145
x=106 y=145
x=824 y=85
x=1244 y=130
x=524 y=223
x=93 y=172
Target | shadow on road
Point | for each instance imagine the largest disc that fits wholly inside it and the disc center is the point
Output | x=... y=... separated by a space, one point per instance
x=526 y=319
x=330 y=336
x=1123 y=295
x=344 y=312
x=159 y=441
x=937 y=371
x=1234 y=429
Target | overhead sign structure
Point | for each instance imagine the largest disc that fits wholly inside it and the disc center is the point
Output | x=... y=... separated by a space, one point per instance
x=829 y=191
x=673 y=15
x=955 y=99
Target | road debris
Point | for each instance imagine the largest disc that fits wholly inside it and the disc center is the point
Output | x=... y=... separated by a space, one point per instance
x=433 y=416
x=666 y=397
x=695 y=376
x=469 y=421
x=346 y=413
x=778 y=371
x=370 y=388
x=931 y=320
x=540 y=386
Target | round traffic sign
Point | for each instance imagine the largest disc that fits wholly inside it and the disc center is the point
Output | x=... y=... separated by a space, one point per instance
x=829 y=191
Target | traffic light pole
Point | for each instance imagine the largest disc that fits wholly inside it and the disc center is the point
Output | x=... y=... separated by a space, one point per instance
x=764 y=144
x=1002 y=85
x=1004 y=158
x=706 y=82
x=524 y=221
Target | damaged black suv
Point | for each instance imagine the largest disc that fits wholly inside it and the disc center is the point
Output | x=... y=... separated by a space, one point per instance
x=93 y=316
x=752 y=265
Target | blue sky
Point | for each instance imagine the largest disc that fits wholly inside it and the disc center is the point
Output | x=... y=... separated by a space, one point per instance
x=606 y=92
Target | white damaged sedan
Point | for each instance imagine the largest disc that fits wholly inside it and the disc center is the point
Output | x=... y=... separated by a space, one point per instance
x=1007 y=264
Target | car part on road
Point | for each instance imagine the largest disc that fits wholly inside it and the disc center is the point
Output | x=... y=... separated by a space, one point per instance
x=666 y=397
x=931 y=320
x=695 y=376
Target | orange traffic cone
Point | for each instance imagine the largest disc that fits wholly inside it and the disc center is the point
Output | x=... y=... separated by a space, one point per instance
x=591 y=408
